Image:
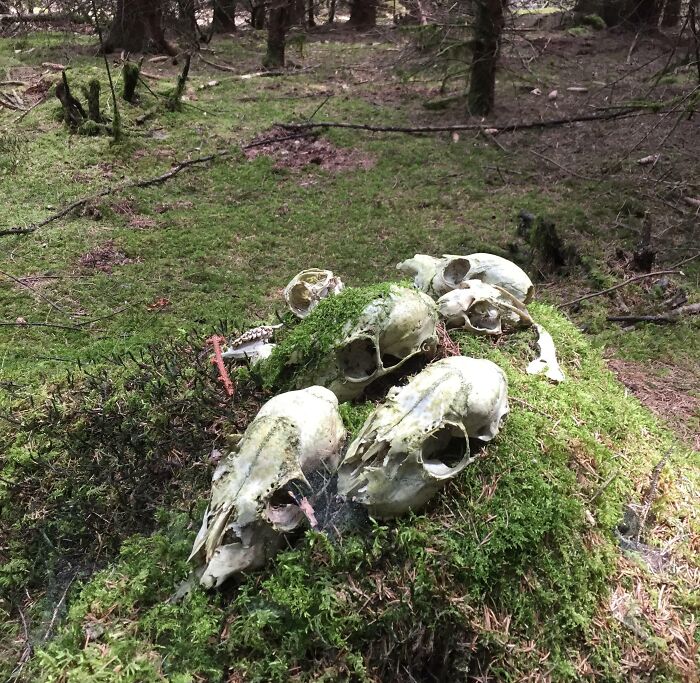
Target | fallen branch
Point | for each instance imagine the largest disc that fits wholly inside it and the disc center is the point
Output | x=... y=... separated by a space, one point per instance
x=163 y=177
x=506 y=128
x=618 y=286
x=218 y=360
x=663 y=319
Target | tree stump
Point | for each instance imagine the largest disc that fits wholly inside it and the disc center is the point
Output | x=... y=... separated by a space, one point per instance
x=73 y=112
x=130 y=77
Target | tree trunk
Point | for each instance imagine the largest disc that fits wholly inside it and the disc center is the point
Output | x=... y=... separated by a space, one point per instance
x=138 y=27
x=363 y=14
x=644 y=12
x=672 y=13
x=331 y=12
x=310 y=19
x=187 y=15
x=224 y=16
x=257 y=14
x=297 y=10
x=488 y=26
x=277 y=25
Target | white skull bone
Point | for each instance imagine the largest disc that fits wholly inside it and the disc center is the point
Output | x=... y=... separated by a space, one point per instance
x=482 y=309
x=307 y=288
x=390 y=330
x=436 y=276
x=418 y=439
x=250 y=510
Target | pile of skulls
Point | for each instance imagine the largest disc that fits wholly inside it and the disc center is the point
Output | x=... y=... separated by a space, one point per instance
x=413 y=442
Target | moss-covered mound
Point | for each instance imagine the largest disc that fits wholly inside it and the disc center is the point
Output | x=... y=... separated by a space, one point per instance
x=505 y=577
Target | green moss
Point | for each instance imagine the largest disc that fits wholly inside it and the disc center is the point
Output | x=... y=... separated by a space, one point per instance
x=594 y=21
x=354 y=416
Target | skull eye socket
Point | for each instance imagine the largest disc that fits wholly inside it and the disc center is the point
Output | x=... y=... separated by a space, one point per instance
x=483 y=316
x=444 y=450
x=358 y=359
x=455 y=271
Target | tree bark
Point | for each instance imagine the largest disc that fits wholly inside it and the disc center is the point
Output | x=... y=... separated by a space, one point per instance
x=138 y=27
x=224 y=16
x=187 y=15
x=277 y=25
x=363 y=14
x=257 y=14
x=488 y=26
x=672 y=13
x=645 y=12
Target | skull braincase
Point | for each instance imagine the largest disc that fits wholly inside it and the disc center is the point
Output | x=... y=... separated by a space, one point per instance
x=482 y=309
x=419 y=437
x=438 y=276
x=307 y=288
x=389 y=331
x=250 y=509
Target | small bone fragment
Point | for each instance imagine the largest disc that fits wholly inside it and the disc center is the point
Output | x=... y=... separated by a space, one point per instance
x=546 y=362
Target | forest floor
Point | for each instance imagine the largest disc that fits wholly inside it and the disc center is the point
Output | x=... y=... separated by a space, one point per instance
x=215 y=245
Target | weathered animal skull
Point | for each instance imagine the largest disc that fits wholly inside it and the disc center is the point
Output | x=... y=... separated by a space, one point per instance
x=436 y=276
x=251 y=506
x=418 y=439
x=390 y=331
x=307 y=288
x=482 y=309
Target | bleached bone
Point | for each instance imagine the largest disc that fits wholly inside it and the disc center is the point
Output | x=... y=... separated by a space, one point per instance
x=254 y=488
x=390 y=330
x=418 y=439
x=252 y=345
x=307 y=288
x=436 y=276
x=482 y=309
x=546 y=362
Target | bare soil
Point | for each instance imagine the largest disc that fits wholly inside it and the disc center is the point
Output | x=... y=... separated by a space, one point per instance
x=299 y=153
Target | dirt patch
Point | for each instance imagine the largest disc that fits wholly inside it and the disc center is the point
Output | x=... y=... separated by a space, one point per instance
x=104 y=257
x=299 y=152
x=667 y=391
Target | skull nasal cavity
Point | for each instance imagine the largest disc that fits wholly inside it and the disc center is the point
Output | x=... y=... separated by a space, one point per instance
x=358 y=358
x=446 y=446
x=455 y=271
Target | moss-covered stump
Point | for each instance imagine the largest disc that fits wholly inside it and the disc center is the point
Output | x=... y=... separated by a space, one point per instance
x=508 y=574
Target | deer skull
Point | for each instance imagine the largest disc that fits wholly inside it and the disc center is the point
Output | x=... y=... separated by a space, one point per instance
x=482 y=309
x=390 y=330
x=438 y=276
x=418 y=439
x=307 y=288
x=253 y=502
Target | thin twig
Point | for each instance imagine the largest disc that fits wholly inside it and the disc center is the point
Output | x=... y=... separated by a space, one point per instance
x=651 y=492
x=621 y=284
x=39 y=294
x=28 y=324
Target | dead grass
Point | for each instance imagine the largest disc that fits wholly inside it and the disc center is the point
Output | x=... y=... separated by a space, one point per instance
x=666 y=390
